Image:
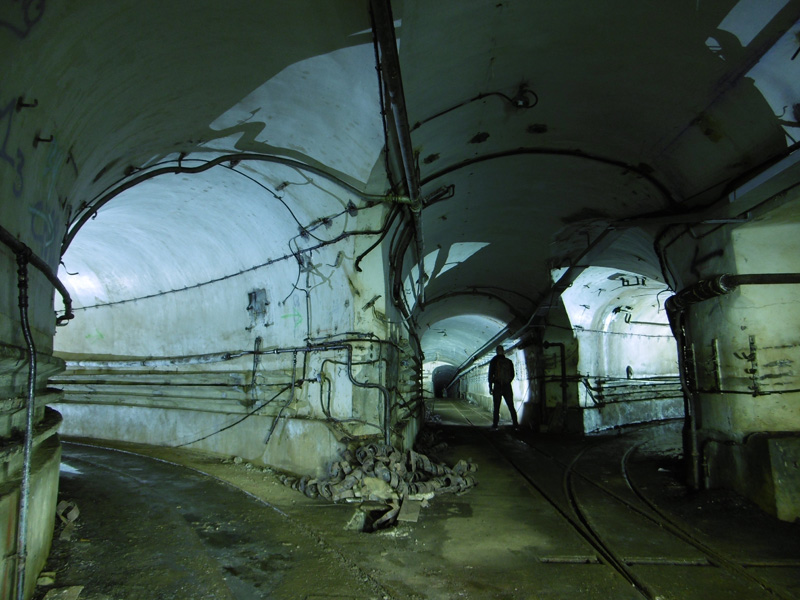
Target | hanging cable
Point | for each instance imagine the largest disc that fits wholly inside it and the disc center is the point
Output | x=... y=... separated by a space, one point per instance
x=384 y=230
x=23 y=258
x=235 y=423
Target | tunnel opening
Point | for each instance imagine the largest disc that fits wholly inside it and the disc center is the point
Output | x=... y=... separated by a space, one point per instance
x=621 y=354
x=248 y=344
x=442 y=378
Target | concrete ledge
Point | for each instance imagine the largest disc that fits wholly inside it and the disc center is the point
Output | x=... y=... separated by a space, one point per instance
x=616 y=414
x=41 y=517
x=14 y=369
x=303 y=446
x=764 y=468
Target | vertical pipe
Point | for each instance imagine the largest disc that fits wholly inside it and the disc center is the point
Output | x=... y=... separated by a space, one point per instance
x=294 y=375
x=563 y=358
x=689 y=406
x=253 y=380
x=383 y=29
x=387 y=404
x=22 y=523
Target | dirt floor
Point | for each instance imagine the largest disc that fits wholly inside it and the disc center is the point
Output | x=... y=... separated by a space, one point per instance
x=195 y=526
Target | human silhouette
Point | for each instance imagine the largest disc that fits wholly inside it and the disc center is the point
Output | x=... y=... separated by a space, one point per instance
x=501 y=374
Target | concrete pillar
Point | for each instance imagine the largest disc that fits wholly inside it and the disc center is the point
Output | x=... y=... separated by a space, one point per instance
x=741 y=351
x=559 y=381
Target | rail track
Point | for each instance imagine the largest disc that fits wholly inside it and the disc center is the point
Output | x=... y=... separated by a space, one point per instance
x=626 y=529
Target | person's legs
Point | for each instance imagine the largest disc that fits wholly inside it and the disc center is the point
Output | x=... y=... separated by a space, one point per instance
x=496 y=395
x=508 y=395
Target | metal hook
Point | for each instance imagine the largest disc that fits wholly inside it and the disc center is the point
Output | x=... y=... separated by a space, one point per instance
x=22 y=104
x=38 y=139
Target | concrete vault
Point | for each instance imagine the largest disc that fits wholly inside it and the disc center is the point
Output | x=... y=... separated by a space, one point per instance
x=274 y=229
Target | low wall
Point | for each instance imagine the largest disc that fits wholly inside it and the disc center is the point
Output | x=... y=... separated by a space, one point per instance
x=43 y=497
x=764 y=468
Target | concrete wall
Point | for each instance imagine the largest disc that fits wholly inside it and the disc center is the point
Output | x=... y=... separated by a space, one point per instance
x=34 y=179
x=741 y=352
x=624 y=366
x=43 y=495
x=213 y=393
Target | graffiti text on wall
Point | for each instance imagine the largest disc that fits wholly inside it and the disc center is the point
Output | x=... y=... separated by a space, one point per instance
x=19 y=16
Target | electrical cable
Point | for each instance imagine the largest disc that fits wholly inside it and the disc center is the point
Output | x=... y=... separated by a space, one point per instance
x=90 y=208
x=384 y=230
x=23 y=257
x=19 y=248
x=248 y=415
x=279 y=199
x=519 y=101
x=268 y=263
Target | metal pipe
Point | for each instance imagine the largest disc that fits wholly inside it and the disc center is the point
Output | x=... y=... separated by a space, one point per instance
x=253 y=384
x=387 y=406
x=689 y=406
x=20 y=248
x=222 y=356
x=719 y=285
x=22 y=523
x=420 y=256
x=294 y=375
x=383 y=28
x=676 y=306
x=563 y=351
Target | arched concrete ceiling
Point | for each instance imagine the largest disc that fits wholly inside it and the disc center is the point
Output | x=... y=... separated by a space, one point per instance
x=453 y=340
x=554 y=121
x=601 y=296
x=547 y=121
x=176 y=231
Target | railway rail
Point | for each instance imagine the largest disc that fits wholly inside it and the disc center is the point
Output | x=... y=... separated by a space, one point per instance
x=647 y=546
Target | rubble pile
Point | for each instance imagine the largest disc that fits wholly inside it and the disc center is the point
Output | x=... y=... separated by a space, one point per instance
x=382 y=473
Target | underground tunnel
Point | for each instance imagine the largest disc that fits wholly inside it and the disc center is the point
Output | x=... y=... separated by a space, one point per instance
x=261 y=248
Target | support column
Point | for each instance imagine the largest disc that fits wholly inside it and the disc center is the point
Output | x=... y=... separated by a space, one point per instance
x=740 y=345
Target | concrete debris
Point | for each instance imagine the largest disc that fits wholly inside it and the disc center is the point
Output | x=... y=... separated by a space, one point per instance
x=410 y=511
x=376 y=472
x=68 y=513
x=67 y=593
x=357 y=521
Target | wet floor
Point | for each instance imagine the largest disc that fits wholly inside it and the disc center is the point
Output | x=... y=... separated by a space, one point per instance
x=599 y=517
x=150 y=529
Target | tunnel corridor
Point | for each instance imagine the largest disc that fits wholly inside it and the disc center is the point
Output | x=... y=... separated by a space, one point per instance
x=601 y=516
x=285 y=231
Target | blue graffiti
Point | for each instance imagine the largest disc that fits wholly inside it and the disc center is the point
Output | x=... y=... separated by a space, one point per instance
x=26 y=19
x=44 y=225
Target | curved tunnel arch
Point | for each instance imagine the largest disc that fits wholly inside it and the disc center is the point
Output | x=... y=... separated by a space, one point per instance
x=636 y=118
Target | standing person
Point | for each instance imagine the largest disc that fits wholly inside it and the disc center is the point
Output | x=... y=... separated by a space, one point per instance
x=501 y=374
